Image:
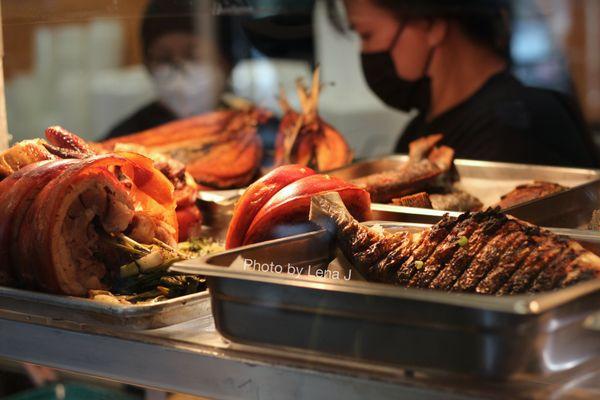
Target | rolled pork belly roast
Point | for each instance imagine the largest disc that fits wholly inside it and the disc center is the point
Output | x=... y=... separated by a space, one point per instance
x=60 y=220
x=17 y=192
x=63 y=144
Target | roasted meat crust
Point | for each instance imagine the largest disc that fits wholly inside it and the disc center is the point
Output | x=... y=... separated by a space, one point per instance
x=17 y=193
x=407 y=179
x=22 y=154
x=426 y=164
x=506 y=266
x=433 y=240
x=486 y=225
x=530 y=191
x=454 y=200
x=539 y=258
x=489 y=256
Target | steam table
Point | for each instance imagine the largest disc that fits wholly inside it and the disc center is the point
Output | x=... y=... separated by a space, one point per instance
x=193 y=358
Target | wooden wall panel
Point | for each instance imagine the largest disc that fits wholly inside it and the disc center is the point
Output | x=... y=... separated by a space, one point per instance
x=3 y=121
x=22 y=17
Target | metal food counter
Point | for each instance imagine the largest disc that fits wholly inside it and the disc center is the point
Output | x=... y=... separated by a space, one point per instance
x=193 y=358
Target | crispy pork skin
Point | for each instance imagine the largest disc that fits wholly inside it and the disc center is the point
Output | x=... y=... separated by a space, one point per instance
x=58 y=219
x=17 y=193
x=22 y=154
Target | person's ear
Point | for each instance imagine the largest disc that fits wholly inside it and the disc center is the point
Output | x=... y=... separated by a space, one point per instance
x=438 y=31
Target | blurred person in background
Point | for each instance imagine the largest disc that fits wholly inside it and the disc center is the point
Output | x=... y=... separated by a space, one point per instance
x=190 y=71
x=449 y=60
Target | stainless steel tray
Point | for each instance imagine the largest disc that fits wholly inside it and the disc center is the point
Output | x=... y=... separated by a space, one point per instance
x=217 y=209
x=484 y=179
x=79 y=312
x=570 y=209
x=411 y=328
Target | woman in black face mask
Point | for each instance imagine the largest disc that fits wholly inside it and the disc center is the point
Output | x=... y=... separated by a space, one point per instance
x=380 y=72
x=448 y=60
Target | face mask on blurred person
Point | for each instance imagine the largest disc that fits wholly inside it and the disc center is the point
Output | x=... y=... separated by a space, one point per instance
x=402 y=94
x=189 y=88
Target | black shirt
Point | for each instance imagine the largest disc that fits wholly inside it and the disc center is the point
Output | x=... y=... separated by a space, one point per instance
x=507 y=121
x=149 y=116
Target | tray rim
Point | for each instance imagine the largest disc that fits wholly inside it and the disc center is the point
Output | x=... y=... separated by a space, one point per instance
x=474 y=163
x=592 y=174
x=525 y=304
x=89 y=305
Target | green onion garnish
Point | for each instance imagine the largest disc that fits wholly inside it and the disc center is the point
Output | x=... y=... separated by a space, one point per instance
x=463 y=241
x=129 y=270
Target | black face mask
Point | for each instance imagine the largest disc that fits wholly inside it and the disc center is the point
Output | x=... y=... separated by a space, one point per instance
x=380 y=72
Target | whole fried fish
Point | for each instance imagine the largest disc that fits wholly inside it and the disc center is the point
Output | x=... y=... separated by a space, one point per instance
x=484 y=252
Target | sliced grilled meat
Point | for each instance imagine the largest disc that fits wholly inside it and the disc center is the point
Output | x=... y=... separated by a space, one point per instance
x=419 y=200
x=374 y=252
x=454 y=200
x=407 y=179
x=530 y=191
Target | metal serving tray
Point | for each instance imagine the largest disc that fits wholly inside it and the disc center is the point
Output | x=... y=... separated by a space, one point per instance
x=410 y=328
x=569 y=209
x=485 y=180
x=217 y=209
x=80 y=312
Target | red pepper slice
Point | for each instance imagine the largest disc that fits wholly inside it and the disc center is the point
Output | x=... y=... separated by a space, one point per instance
x=256 y=196
x=188 y=217
x=292 y=204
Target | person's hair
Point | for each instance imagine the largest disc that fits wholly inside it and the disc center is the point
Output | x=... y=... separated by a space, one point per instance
x=166 y=16
x=487 y=22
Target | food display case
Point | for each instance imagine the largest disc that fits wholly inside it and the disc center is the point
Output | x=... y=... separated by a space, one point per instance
x=300 y=199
